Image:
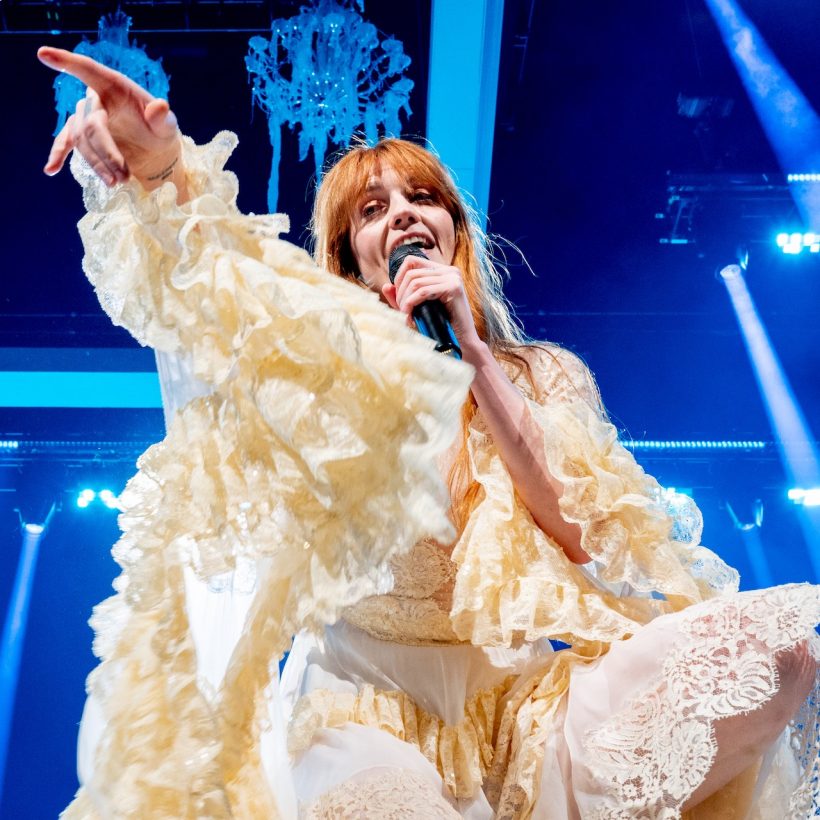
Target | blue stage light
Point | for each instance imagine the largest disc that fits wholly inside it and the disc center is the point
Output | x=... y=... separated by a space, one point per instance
x=673 y=492
x=795 y=243
x=725 y=444
x=108 y=498
x=87 y=496
x=802 y=177
x=34 y=529
x=9 y=445
x=805 y=498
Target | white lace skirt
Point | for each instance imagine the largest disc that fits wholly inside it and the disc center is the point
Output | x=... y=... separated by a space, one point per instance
x=632 y=737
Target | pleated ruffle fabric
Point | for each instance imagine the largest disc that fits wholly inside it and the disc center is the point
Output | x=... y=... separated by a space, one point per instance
x=313 y=460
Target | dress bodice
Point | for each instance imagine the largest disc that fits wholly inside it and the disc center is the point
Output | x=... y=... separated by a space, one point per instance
x=417 y=609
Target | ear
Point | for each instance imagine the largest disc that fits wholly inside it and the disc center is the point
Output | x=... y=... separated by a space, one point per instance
x=389 y=293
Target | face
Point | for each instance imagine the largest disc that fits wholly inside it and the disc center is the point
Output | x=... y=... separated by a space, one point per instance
x=390 y=213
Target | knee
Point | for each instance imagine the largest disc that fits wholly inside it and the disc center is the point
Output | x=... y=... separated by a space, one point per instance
x=797 y=673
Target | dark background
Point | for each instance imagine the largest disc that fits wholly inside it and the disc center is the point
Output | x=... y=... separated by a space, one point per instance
x=587 y=130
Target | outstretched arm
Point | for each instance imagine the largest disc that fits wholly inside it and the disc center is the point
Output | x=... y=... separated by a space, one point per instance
x=119 y=128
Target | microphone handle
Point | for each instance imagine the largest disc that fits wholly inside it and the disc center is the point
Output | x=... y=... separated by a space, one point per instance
x=432 y=321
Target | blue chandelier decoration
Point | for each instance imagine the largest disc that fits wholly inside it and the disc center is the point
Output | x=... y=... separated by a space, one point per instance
x=327 y=74
x=114 y=50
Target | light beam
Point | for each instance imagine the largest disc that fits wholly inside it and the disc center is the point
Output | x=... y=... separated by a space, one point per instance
x=794 y=441
x=791 y=124
x=14 y=631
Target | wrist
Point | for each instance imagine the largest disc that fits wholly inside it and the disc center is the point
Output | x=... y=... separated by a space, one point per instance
x=168 y=169
x=154 y=180
x=475 y=351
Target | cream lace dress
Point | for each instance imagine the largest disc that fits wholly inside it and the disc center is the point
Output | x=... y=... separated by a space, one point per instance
x=299 y=491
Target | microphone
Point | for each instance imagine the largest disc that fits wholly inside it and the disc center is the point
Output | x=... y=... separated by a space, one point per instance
x=431 y=316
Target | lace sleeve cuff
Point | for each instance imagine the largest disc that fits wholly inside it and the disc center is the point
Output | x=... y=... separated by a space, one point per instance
x=514 y=582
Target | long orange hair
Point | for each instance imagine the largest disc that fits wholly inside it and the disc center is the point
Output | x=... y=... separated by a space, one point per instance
x=339 y=192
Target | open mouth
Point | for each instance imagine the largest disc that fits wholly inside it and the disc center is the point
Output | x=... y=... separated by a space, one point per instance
x=415 y=239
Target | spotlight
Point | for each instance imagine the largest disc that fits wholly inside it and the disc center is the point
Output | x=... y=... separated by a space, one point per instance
x=85 y=498
x=795 y=243
x=730 y=272
x=805 y=498
x=108 y=498
x=88 y=496
x=34 y=529
x=802 y=177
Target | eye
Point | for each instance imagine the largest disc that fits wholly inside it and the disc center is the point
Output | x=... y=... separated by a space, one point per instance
x=421 y=195
x=370 y=209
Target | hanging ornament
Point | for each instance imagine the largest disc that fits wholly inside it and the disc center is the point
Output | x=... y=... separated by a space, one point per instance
x=327 y=74
x=114 y=50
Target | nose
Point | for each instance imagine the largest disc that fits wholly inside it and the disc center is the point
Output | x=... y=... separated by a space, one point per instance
x=403 y=212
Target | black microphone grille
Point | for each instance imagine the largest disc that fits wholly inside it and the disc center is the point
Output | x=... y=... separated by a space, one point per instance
x=400 y=254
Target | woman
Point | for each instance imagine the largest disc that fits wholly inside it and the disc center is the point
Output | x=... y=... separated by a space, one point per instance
x=440 y=697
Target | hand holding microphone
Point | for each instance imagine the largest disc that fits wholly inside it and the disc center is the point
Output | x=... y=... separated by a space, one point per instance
x=430 y=316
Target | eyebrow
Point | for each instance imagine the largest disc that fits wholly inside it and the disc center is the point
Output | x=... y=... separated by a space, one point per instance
x=376 y=184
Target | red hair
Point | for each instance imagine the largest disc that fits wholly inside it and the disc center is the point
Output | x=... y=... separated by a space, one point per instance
x=340 y=191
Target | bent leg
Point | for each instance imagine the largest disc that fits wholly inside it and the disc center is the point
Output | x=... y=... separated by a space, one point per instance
x=742 y=740
x=692 y=701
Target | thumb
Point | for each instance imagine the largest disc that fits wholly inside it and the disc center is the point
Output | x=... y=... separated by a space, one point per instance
x=160 y=119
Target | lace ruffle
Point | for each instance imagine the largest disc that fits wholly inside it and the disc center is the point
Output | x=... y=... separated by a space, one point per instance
x=417 y=608
x=391 y=794
x=650 y=756
x=514 y=582
x=497 y=746
x=462 y=753
x=314 y=458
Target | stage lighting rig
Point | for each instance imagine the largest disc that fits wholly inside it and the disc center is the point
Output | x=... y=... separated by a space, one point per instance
x=795 y=243
x=703 y=208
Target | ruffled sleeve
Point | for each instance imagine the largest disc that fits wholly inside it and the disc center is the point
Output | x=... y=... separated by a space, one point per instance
x=314 y=366
x=307 y=453
x=514 y=582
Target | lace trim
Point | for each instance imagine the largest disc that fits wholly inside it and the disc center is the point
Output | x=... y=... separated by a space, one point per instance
x=804 y=742
x=650 y=757
x=313 y=460
x=515 y=583
x=395 y=794
x=462 y=753
x=417 y=609
x=513 y=782
x=499 y=745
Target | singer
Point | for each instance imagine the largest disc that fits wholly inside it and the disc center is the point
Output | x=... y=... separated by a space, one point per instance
x=422 y=682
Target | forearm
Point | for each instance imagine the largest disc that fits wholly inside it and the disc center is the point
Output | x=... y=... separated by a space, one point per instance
x=519 y=441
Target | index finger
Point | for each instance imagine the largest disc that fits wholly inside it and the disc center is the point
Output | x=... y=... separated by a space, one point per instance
x=96 y=76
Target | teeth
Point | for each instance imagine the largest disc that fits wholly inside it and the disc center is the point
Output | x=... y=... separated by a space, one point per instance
x=414 y=241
